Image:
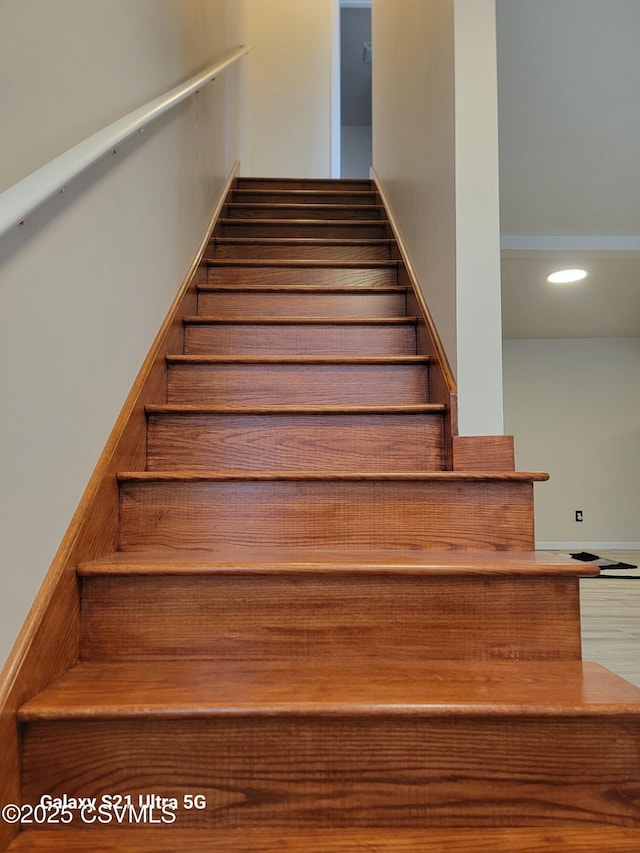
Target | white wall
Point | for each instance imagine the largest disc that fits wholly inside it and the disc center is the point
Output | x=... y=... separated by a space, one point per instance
x=574 y=407
x=287 y=108
x=569 y=78
x=435 y=144
x=86 y=282
x=478 y=298
x=414 y=141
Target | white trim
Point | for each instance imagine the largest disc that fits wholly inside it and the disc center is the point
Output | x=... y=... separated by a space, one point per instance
x=355 y=4
x=587 y=546
x=336 y=98
x=21 y=199
x=552 y=243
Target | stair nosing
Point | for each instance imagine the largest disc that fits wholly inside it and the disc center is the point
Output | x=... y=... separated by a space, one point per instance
x=268 y=320
x=305 y=241
x=429 y=563
x=200 y=674
x=379 y=360
x=363 y=223
x=297 y=192
x=415 y=409
x=305 y=263
x=204 y=476
x=298 y=205
x=301 y=288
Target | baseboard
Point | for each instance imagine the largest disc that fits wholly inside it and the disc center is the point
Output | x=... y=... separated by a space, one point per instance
x=587 y=546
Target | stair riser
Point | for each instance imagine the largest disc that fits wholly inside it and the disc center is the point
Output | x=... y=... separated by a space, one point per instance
x=317 y=230
x=293 y=251
x=291 y=339
x=295 y=442
x=326 y=514
x=265 y=384
x=568 y=839
x=266 y=616
x=317 y=276
x=294 y=212
x=309 y=184
x=274 y=304
x=303 y=197
x=359 y=771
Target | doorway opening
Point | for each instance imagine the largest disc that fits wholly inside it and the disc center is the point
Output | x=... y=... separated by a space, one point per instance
x=355 y=88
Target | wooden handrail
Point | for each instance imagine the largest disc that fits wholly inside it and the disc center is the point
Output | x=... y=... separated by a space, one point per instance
x=21 y=199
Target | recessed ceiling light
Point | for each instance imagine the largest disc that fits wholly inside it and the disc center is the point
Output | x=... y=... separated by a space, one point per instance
x=566 y=276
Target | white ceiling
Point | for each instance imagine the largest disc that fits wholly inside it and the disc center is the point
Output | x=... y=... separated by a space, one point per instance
x=569 y=107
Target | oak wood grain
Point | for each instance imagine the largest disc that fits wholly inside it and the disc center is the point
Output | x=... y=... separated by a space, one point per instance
x=294 y=301
x=488 y=452
x=248 y=615
x=291 y=211
x=299 y=336
x=346 y=228
x=318 y=272
x=300 y=196
x=569 y=839
x=390 y=381
x=382 y=769
x=332 y=184
x=358 y=687
x=284 y=561
x=300 y=248
x=200 y=511
x=446 y=478
x=316 y=440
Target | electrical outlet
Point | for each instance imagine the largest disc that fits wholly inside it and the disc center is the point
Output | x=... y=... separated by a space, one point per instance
x=579 y=515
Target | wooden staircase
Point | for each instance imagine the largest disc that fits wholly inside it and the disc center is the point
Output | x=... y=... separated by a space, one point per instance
x=321 y=611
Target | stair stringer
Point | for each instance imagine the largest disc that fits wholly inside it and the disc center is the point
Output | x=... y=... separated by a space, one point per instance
x=442 y=383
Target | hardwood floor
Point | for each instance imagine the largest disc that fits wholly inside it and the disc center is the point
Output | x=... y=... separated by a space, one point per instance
x=610 y=611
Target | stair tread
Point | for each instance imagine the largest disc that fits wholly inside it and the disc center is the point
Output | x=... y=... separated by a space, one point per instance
x=303 y=263
x=303 y=241
x=353 y=686
x=277 y=561
x=417 y=409
x=548 y=839
x=243 y=319
x=298 y=192
x=299 y=359
x=302 y=205
x=300 y=288
x=334 y=476
x=314 y=223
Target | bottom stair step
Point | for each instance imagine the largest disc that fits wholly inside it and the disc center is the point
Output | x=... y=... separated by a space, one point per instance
x=345 y=744
x=170 y=839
